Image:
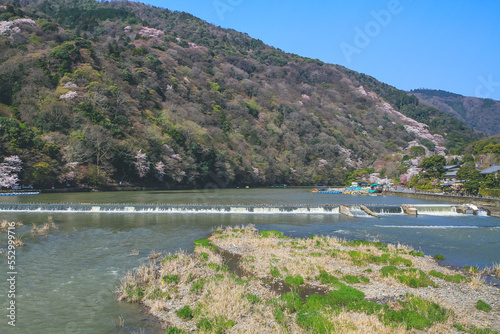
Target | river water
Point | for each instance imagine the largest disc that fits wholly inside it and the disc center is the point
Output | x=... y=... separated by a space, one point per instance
x=66 y=280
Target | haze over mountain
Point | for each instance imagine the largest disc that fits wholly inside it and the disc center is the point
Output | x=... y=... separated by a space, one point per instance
x=97 y=93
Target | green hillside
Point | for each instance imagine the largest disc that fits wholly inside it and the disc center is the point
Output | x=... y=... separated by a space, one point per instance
x=95 y=94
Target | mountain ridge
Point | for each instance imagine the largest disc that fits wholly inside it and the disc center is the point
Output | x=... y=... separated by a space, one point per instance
x=481 y=114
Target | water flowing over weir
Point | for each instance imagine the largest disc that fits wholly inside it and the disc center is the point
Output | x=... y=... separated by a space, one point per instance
x=355 y=210
x=164 y=208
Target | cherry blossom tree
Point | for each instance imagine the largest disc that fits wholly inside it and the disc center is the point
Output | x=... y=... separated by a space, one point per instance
x=160 y=170
x=8 y=171
x=141 y=163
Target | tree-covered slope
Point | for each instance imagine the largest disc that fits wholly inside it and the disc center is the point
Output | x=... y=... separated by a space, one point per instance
x=98 y=93
x=481 y=114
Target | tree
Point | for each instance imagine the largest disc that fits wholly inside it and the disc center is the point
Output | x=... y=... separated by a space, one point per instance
x=141 y=163
x=160 y=170
x=41 y=175
x=471 y=176
x=434 y=165
x=416 y=151
x=8 y=171
x=492 y=181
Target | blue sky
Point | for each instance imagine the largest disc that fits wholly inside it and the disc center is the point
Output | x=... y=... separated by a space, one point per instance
x=449 y=45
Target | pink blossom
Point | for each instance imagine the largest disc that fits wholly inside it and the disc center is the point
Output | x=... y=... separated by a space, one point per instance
x=69 y=96
x=8 y=171
x=141 y=163
x=160 y=170
x=150 y=32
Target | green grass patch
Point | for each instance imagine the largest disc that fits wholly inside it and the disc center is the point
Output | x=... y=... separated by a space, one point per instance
x=158 y=294
x=471 y=269
x=439 y=257
x=171 y=279
x=417 y=254
x=364 y=279
x=397 y=260
x=185 y=313
x=356 y=243
x=197 y=286
x=316 y=254
x=326 y=278
x=204 y=243
x=291 y=302
x=170 y=258
x=254 y=299
x=134 y=294
x=279 y=316
x=203 y=256
x=215 y=325
x=351 y=279
x=294 y=280
x=273 y=234
x=175 y=330
x=450 y=278
x=275 y=272
x=217 y=267
x=417 y=313
x=363 y=258
x=412 y=277
x=483 y=306
x=437 y=274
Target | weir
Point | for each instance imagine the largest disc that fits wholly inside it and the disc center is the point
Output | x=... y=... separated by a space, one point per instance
x=348 y=210
x=436 y=209
x=165 y=208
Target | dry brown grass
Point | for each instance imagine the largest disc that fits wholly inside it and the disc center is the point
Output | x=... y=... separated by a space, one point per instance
x=154 y=255
x=216 y=295
x=45 y=228
x=4 y=225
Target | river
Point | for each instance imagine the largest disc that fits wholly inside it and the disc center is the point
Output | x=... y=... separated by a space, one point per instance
x=66 y=279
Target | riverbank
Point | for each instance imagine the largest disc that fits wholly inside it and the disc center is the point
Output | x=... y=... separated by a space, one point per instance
x=242 y=280
x=491 y=204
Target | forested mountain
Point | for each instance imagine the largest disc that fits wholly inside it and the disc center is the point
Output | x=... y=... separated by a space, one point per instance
x=95 y=93
x=481 y=114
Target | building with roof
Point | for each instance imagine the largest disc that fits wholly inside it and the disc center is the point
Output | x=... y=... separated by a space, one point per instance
x=491 y=170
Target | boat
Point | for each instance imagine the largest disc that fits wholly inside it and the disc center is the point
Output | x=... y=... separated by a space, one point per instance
x=326 y=190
